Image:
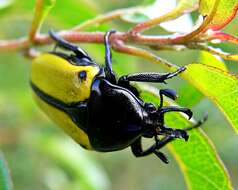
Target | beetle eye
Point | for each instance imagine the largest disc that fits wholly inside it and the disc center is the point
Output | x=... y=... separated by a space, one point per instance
x=82 y=75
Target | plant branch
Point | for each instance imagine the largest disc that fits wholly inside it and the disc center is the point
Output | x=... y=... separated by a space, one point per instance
x=188 y=37
x=14 y=45
x=22 y=43
x=83 y=37
x=192 y=40
x=183 y=39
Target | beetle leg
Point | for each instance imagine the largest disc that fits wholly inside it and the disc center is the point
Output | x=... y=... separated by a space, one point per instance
x=180 y=133
x=168 y=93
x=174 y=133
x=108 y=58
x=150 y=77
x=80 y=53
x=137 y=150
x=164 y=110
x=197 y=124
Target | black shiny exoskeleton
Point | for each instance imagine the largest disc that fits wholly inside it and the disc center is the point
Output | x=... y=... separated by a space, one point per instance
x=114 y=117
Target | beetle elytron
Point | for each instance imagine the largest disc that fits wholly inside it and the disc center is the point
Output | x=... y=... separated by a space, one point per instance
x=98 y=111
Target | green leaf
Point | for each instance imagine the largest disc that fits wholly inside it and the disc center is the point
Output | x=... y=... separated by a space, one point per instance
x=209 y=59
x=158 y=9
x=135 y=17
x=5 y=180
x=197 y=158
x=219 y=86
x=189 y=92
x=189 y=96
x=226 y=11
x=185 y=5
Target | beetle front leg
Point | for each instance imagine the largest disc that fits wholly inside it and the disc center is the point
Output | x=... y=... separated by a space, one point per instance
x=137 y=150
x=174 y=133
x=168 y=93
x=166 y=109
x=150 y=77
x=179 y=133
x=108 y=58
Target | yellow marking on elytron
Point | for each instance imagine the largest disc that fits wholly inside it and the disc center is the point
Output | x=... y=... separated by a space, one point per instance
x=58 y=78
x=65 y=122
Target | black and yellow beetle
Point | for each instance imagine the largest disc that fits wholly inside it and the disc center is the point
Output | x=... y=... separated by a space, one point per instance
x=98 y=111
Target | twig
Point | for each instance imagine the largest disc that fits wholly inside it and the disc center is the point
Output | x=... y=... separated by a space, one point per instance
x=14 y=45
x=201 y=28
x=84 y=37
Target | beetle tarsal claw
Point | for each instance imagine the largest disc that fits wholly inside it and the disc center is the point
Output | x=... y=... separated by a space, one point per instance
x=164 y=110
x=174 y=133
x=161 y=156
x=169 y=93
x=188 y=112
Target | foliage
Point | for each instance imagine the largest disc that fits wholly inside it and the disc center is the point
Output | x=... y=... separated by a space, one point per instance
x=142 y=28
x=5 y=181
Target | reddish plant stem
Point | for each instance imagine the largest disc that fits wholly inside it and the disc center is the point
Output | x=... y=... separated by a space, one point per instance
x=84 y=37
x=14 y=45
x=183 y=39
x=218 y=35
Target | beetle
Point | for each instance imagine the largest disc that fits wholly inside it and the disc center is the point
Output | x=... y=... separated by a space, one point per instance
x=99 y=111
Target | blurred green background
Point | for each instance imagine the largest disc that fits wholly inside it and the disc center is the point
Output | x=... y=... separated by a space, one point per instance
x=40 y=156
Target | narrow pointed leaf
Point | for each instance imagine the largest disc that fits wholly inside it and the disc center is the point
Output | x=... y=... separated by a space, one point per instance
x=225 y=12
x=188 y=94
x=167 y=11
x=219 y=86
x=209 y=59
x=197 y=158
